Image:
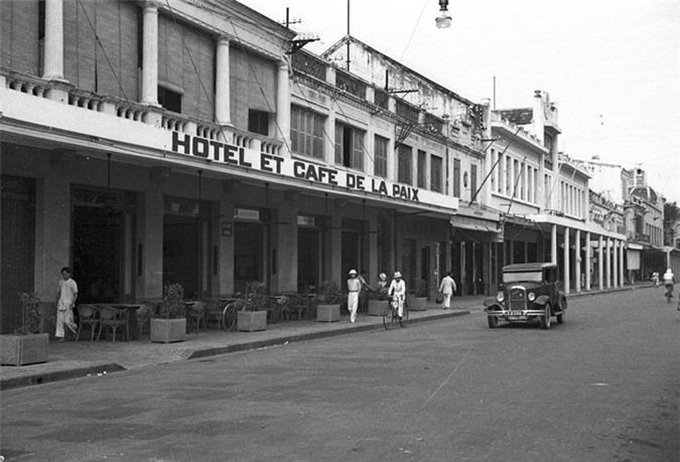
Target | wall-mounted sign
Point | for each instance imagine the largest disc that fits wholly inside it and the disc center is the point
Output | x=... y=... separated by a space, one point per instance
x=308 y=172
x=303 y=220
x=247 y=214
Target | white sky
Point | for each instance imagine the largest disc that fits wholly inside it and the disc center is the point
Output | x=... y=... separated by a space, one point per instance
x=612 y=66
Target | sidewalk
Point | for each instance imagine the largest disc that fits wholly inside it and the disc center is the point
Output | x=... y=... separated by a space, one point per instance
x=69 y=360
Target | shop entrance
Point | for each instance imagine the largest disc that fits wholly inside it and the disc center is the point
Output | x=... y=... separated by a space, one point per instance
x=248 y=254
x=181 y=254
x=308 y=259
x=18 y=247
x=97 y=253
x=350 y=252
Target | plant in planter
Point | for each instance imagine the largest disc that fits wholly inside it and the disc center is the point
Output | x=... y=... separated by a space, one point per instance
x=330 y=298
x=419 y=300
x=169 y=324
x=27 y=345
x=252 y=310
x=377 y=302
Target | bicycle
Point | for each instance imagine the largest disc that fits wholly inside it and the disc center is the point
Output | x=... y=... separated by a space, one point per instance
x=229 y=316
x=669 y=292
x=391 y=314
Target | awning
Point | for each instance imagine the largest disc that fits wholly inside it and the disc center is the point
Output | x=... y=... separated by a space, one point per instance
x=475 y=229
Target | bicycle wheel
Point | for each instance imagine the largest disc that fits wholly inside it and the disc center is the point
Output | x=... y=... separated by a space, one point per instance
x=387 y=316
x=229 y=316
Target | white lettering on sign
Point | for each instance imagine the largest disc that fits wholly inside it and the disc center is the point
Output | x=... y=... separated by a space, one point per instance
x=236 y=155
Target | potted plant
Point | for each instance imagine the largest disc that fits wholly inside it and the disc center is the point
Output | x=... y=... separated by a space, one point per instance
x=330 y=297
x=418 y=302
x=27 y=345
x=377 y=302
x=169 y=323
x=252 y=310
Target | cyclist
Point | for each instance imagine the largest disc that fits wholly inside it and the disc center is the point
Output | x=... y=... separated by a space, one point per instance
x=668 y=281
x=398 y=290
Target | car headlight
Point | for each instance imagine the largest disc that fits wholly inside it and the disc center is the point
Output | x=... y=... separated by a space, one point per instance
x=531 y=296
x=500 y=297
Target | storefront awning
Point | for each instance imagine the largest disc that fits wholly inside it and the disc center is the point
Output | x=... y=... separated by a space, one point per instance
x=476 y=229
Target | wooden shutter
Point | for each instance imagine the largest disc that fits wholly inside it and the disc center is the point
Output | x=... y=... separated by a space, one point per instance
x=19 y=28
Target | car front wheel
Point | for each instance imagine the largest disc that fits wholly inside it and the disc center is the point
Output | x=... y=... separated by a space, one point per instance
x=492 y=321
x=563 y=309
x=545 y=319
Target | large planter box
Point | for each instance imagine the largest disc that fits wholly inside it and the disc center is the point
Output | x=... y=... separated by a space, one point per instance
x=18 y=349
x=328 y=313
x=167 y=330
x=417 y=303
x=377 y=307
x=250 y=321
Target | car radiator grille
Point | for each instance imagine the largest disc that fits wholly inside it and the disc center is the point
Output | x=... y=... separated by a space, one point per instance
x=518 y=298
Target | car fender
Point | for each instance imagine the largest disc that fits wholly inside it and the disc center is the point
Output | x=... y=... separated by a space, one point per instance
x=542 y=300
x=490 y=302
x=562 y=301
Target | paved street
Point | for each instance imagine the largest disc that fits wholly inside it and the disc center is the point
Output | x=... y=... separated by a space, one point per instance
x=604 y=386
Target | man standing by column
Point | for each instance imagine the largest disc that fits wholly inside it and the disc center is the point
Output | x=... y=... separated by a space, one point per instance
x=447 y=288
x=353 y=289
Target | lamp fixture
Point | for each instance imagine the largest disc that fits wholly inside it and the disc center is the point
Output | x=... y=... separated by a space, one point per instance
x=443 y=20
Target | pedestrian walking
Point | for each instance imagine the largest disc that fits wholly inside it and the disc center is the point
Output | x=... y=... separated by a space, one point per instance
x=353 y=289
x=398 y=290
x=447 y=288
x=68 y=294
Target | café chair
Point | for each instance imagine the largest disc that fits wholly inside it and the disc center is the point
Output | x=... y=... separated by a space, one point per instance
x=114 y=319
x=213 y=313
x=196 y=313
x=88 y=315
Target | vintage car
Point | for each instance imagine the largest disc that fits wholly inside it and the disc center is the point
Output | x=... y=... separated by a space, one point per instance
x=528 y=291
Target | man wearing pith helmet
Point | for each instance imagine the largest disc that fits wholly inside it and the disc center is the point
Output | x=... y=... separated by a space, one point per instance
x=398 y=290
x=353 y=289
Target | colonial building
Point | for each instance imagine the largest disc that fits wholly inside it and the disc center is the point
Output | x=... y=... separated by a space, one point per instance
x=544 y=197
x=145 y=143
x=438 y=145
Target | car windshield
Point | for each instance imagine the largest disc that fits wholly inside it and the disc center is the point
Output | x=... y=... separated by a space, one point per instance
x=527 y=276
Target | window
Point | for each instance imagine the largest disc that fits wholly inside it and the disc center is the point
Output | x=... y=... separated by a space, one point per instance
x=258 y=122
x=515 y=177
x=306 y=132
x=422 y=169
x=456 y=177
x=349 y=146
x=473 y=180
x=530 y=186
x=508 y=176
x=380 y=153
x=405 y=165
x=436 y=173
x=494 y=174
x=169 y=99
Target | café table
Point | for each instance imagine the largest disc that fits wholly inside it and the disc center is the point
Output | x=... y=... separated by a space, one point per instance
x=131 y=309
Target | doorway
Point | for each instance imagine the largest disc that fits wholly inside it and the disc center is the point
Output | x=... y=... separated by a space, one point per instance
x=350 y=252
x=308 y=259
x=18 y=247
x=181 y=254
x=97 y=253
x=248 y=254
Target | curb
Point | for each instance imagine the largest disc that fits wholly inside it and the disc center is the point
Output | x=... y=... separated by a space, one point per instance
x=80 y=372
x=39 y=379
x=607 y=291
x=308 y=336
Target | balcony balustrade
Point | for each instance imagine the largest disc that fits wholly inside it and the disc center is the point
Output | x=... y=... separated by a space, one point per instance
x=138 y=112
